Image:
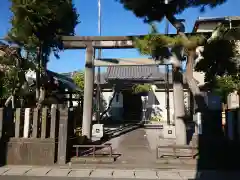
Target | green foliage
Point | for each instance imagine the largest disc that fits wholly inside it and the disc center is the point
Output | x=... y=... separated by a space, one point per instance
x=37 y=27
x=12 y=71
x=218 y=59
x=38 y=23
x=226 y=85
x=157 y=45
x=141 y=88
x=218 y=55
x=220 y=64
x=156 y=118
x=78 y=79
x=155 y=10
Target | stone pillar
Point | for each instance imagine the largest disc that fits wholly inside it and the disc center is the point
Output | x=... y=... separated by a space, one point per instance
x=63 y=136
x=88 y=92
x=232 y=115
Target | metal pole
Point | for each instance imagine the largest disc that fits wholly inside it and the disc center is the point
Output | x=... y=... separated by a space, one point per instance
x=99 y=57
x=167 y=22
x=167 y=75
x=167 y=95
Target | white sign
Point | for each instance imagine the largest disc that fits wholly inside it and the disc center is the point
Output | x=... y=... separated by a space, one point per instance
x=233 y=101
x=98 y=130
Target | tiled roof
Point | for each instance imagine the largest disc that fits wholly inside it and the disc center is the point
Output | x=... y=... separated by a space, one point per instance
x=139 y=72
x=102 y=76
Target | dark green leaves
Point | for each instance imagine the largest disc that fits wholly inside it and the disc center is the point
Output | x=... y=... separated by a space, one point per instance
x=78 y=79
x=141 y=88
x=41 y=22
x=155 y=10
x=158 y=45
x=218 y=59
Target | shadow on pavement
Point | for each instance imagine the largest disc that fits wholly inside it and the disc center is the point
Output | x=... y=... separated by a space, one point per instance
x=110 y=134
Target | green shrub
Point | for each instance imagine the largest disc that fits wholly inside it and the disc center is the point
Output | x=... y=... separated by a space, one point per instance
x=141 y=88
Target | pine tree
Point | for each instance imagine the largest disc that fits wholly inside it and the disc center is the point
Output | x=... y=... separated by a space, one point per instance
x=37 y=25
x=158 y=47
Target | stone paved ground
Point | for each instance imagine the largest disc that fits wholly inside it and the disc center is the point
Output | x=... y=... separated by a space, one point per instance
x=138 y=147
x=134 y=148
x=96 y=173
x=52 y=173
x=138 y=161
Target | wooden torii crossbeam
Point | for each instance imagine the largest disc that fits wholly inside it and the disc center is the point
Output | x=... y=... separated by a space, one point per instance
x=90 y=43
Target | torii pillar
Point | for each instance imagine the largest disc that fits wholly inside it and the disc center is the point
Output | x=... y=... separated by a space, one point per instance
x=88 y=92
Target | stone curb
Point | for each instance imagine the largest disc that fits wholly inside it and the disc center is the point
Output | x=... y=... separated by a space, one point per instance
x=101 y=173
x=98 y=173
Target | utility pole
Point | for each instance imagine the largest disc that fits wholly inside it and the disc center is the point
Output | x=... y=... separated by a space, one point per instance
x=167 y=75
x=99 y=57
x=166 y=21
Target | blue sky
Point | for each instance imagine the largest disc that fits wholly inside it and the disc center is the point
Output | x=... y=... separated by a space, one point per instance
x=116 y=21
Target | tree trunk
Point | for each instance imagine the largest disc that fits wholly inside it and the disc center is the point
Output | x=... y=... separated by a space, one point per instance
x=9 y=99
x=178 y=92
x=38 y=73
x=179 y=111
x=189 y=70
x=41 y=97
x=198 y=97
x=109 y=106
x=42 y=75
x=13 y=101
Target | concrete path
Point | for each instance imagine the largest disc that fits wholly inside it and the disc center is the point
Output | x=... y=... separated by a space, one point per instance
x=50 y=178
x=137 y=148
x=134 y=148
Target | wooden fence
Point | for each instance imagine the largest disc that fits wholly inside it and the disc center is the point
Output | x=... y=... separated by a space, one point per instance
x=36 y=137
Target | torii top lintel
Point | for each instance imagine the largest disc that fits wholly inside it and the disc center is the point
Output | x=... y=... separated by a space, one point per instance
x=106 y=42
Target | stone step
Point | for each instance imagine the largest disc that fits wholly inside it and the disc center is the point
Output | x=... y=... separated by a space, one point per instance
x=153 y=126
x=178 y=161
x=92 y=160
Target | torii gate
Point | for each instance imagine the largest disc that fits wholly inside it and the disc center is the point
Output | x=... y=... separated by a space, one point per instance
x=90 y=43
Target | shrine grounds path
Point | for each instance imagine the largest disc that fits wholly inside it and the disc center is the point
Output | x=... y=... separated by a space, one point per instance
x=137 y=149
